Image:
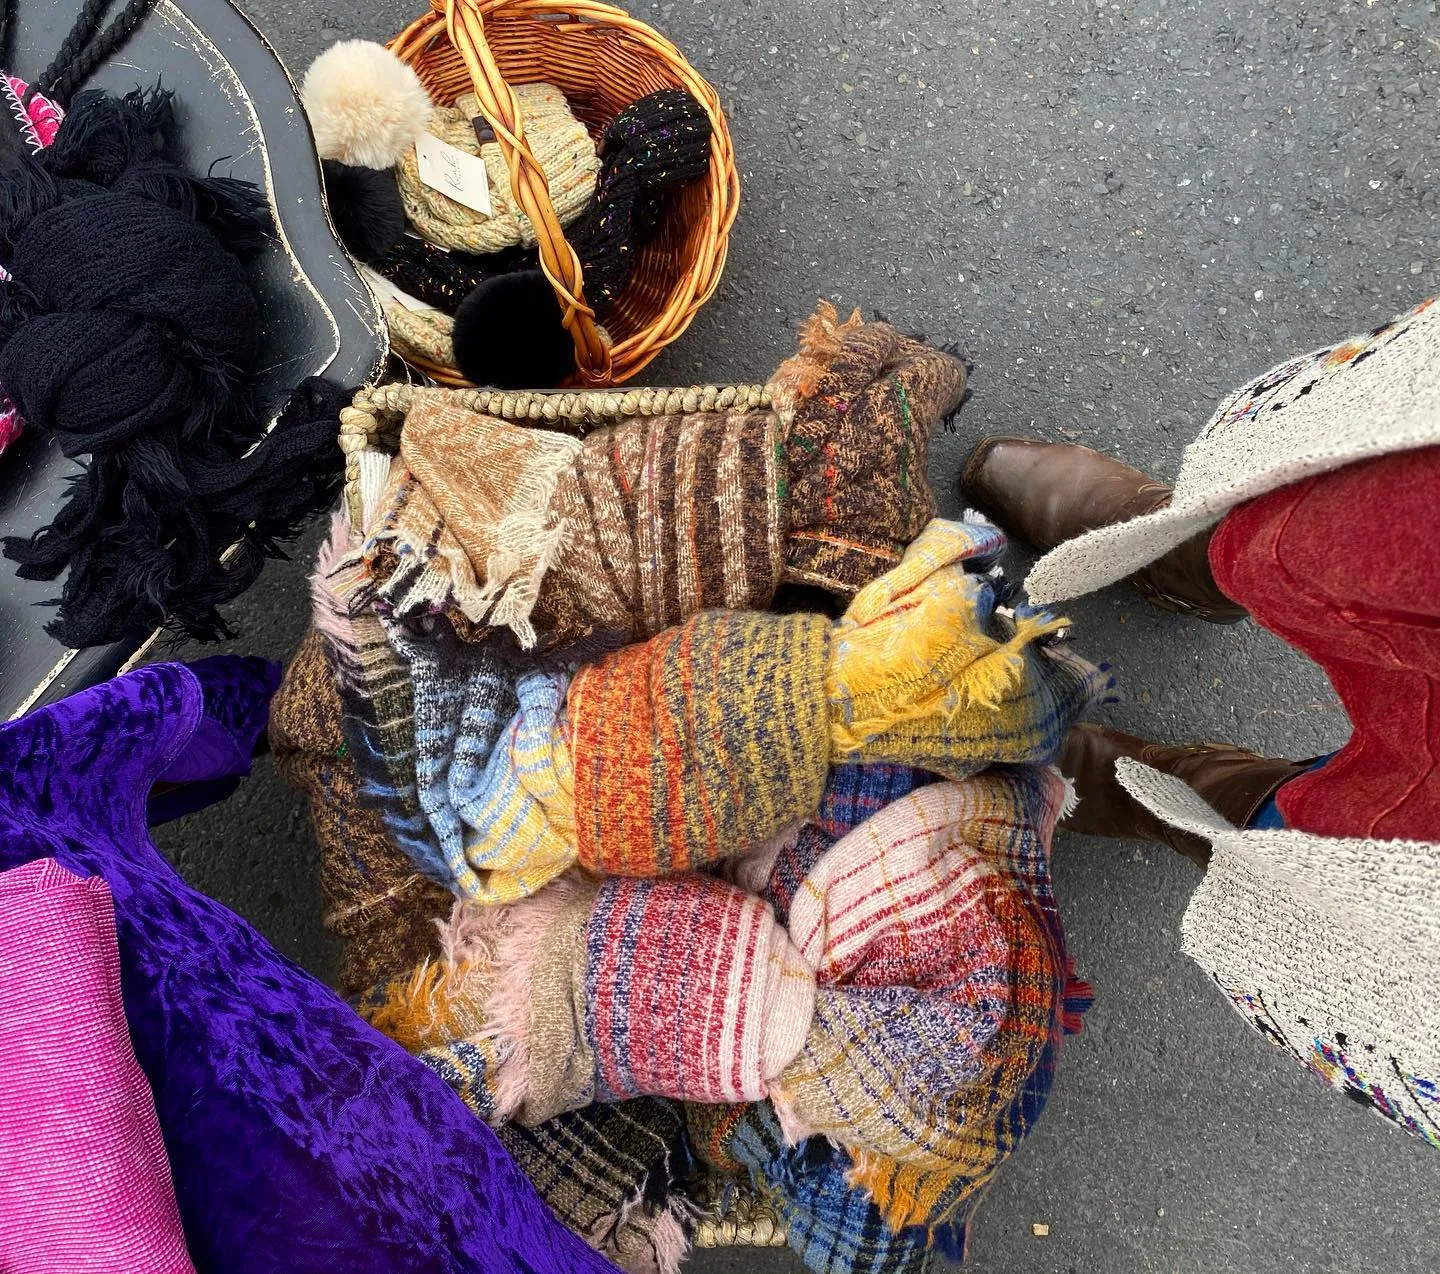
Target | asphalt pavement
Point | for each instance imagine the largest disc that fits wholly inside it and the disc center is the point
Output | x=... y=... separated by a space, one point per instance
x=1120 y=211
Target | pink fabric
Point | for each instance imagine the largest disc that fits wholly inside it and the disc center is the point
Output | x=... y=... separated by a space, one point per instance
x=10 y=425
x=84 y=1183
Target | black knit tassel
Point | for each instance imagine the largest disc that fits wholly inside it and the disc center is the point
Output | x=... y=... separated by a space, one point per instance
x=122 y=144
x=139 y=560
x=130 y=333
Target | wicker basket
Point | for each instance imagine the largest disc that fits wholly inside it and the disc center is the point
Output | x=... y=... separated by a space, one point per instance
x=602 y=60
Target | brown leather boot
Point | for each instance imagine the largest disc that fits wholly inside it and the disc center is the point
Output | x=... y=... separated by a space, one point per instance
x=1049 y=492
x=1235 y=782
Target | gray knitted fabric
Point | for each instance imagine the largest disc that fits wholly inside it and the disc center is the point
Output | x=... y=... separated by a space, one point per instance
x=464 y=697
x=1329 y=946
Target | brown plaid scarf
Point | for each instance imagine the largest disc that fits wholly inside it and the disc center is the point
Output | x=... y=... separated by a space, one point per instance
x=655 y=518
x=612 y=1173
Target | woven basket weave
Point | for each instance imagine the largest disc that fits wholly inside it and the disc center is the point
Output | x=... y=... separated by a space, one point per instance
x=731 y=1214
x=602 y=60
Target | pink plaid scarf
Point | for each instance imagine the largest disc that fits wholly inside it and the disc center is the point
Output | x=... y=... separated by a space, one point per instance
x=918 y=987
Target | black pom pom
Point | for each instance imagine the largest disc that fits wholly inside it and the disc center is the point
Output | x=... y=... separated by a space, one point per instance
x=508 y=334
x=366 y=207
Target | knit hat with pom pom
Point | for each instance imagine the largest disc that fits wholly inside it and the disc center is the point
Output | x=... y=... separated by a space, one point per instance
x=560 y=144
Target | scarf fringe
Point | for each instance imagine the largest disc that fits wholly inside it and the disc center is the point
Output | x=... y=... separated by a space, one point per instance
x=417 y=586
x=669 y=1239
x=427 y=1008
x=1069 y=800
x=641 y=1240
x=338 y=574
x=530 y=926
x=443 y=1000
x=904 y=1193
x=471 y=933
x=428 y=577
x=792 y=1127
x=900 y=674
x=509 y=605
x=822 y=336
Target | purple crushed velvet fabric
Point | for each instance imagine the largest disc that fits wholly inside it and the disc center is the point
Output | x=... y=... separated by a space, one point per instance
x=299 y=1138
x=218 y=746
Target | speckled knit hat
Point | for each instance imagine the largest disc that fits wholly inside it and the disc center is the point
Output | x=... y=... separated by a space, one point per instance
x=655 y=145
x=419 y=331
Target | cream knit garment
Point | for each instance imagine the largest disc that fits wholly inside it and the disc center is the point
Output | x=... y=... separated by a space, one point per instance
x=1365 y=397
x=560 y=144
x=421 y=331
x=1330 y=946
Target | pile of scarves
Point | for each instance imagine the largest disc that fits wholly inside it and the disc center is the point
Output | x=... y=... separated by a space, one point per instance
x=684 y=794
x=684 y=799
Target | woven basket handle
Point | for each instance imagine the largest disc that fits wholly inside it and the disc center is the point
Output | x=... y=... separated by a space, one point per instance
x=529 y=185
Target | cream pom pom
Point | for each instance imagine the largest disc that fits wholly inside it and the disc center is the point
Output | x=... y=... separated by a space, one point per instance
x=366 y=106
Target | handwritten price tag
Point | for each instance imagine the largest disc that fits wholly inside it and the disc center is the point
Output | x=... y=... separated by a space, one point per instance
x=452 y=172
